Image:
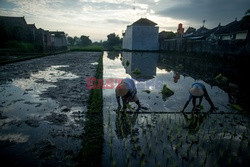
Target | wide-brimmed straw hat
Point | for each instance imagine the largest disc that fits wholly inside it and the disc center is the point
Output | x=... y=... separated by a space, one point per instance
x=121 y=89
x=196 y=91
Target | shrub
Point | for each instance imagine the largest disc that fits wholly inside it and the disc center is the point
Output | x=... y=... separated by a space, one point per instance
x=136 y=72
x=166 y=92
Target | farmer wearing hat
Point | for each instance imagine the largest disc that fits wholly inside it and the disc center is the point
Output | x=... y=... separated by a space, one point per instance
x=127 y=91
x=198 y=90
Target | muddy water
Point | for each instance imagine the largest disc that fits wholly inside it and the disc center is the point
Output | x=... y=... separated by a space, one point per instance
x=162 y=135
x=42 y=107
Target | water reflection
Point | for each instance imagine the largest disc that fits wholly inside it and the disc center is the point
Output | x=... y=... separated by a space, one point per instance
x=201 y=67
x=140 y=65
x=176 y=76
x=162 y=135
x=143 y=66
x=113 y=55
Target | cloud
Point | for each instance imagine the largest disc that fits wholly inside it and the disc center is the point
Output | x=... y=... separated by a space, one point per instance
x=213 y=11
x=6 y=4
x=98 y=18
x=116 y=21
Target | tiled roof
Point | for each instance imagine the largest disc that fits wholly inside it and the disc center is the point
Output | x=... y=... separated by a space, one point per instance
x=13 y=20
x=144 y=22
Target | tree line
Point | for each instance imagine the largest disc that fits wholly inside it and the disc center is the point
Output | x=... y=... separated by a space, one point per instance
x=113 y=42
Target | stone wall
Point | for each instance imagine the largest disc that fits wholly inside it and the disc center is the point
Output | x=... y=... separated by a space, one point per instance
x=227 y=47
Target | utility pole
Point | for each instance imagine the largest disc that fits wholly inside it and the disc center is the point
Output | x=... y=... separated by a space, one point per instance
x=204 y=22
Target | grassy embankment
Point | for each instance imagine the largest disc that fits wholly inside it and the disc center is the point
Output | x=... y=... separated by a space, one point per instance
x=91 y=152
x=9 y=58
x=92 y=48
x=26 y=51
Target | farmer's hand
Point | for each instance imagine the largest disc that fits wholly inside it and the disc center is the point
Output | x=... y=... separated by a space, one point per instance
x=138 y=108
x=119 y=108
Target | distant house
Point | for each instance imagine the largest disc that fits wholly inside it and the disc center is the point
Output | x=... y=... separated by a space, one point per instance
x=199 y=34
x=141 y=35
x=15 y=29
x=58 y=39
x=32 y=35
x=236 y=30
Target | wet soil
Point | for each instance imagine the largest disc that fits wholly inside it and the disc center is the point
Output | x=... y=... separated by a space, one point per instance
x=43 y=103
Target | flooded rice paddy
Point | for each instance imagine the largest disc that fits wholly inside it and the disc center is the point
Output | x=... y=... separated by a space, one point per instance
x=162 y=135
x=43 y=103
x=42 y=109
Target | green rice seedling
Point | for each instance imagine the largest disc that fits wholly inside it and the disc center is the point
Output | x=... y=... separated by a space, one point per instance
x=239 y=153
x=111 y=154
x=244 y=136
x=173 y=163
x=221 y=153
x=149 y=148
x=197 y=150
x=172 y=138
x=136 y=146
x=158 y=164
x=162 y=130
x=229 y=161
x=143 y=162
x=166 y=92
x=127 y=158
x=167 y=159
x=136 y=72
x=181 y=140
x=142 y=158
x=146 y=91
x=113 y=163
x=109 y=120
x=205 y=159
x=127 y=63
x=156 y=140
x=156 y=152
x=177 y=147
x=235 y=133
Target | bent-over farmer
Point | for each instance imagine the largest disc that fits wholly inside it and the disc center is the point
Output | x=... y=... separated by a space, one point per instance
x=126 y=90
x=198 y=90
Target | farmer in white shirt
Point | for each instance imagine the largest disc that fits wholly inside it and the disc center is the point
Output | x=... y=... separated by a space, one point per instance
x=126 y=90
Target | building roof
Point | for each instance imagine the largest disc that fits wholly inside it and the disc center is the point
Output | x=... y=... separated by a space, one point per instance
x=32 y=26
x=200 y=33
x=13 y=20
x=235 y=26
x=144 y=22
x=57 y=32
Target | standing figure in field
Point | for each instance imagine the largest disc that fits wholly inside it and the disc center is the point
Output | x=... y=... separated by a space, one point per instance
x=126 y=90
x=176 y=77
x=198 y=90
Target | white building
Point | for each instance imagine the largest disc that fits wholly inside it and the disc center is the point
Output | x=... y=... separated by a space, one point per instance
x=141 y=35
x=58 y=39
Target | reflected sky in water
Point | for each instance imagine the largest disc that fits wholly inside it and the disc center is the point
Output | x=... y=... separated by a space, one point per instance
x=21 y=98
x=153 y=78
x=125 y=131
